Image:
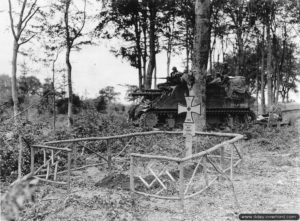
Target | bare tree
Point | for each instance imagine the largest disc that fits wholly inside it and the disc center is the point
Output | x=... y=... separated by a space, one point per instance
x=20 y=38
x=72 y=32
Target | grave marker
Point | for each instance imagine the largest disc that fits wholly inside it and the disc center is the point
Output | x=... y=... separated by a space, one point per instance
x=189 y=125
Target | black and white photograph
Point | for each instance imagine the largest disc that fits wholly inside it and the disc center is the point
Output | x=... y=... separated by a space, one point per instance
x=149 y=110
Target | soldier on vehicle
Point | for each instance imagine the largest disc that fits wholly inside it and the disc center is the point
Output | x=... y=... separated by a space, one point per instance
x=217 y=80
x=175 y=73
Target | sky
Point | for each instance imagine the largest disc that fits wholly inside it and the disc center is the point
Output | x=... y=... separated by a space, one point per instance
x=94 y=67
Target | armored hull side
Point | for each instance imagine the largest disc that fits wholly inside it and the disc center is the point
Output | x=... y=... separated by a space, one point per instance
x=226 y=105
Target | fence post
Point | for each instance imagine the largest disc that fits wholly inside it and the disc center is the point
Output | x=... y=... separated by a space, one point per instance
x=181 y=186
x=231 y=162
x=32 y=160
x=131 y=174
x=205 y=170
x=74 y=156
x=222 y=160
x=69 y=171
x=108 y=154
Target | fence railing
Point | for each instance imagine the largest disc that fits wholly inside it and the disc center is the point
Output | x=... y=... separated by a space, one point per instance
x=50 y=159
x=182 y=178
x=158 y=167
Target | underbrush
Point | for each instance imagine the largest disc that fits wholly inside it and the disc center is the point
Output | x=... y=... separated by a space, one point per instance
x=272 y=139
x=86 y=124
x=10 y=134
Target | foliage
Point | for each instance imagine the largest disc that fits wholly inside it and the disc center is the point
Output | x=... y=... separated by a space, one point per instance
x=88 y=123
x=272 y=139
x=109 y=94
x=5 y=88
x=29 y=85
x=130 y=89
x=101 y=104
x=93 y=123
x=31 y=133
x=147 y=27
x=62 y=105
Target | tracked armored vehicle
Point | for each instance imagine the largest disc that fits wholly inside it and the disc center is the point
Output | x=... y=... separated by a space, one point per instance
x=228 y=104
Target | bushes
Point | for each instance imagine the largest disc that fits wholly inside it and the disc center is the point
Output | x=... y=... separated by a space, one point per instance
x=86 y=124
x=101 y=104
x=8 y=162
x=92 y=123
x=62 y=105
x=9 y=146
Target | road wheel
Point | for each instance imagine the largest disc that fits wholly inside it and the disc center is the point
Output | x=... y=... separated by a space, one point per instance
x=171 y=123
x=148 y=120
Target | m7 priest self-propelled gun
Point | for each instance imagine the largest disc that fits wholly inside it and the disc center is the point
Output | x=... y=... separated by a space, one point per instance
x=228 y=103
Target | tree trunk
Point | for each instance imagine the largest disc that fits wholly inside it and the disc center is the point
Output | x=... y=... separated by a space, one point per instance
x=269 y=67
x=168 y=58
x=279 y=76
x=211 y=51
x=14 y=79
x=144 y=54
x=151 y=64
x=53 y=91
x=139 y=50
x=240 y=52
x=140 y=73
x=139 y=61
x=222 y=47
x=187 y=45
x=262 y=80
x=68 y=63
x=155 y=77
x=20 y=158
x=257 y=91
x=170 y=42
x=200 y=59
x=70 y=91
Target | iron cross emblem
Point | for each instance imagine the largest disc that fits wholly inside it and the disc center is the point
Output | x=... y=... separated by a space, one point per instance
x=189 y=109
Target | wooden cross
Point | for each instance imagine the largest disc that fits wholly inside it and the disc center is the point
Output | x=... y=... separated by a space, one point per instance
x=189 y=125
x=189 y=109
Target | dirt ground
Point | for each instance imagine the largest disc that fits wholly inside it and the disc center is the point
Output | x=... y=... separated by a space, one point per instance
x=267 y=181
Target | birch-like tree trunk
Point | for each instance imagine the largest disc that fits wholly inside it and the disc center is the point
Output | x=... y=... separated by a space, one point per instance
x=71 y=34
x=14 y=90
x=68 y=63
x=137 y=31
x=239 y=53
x=269 y=67
x=152 y=38
x=262 y=80
x=70 y=89
x=280 y=67
x=200 y=59
x=17 y=32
